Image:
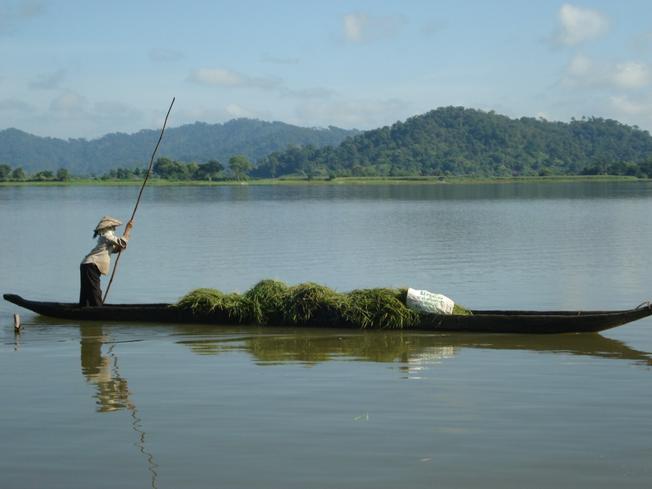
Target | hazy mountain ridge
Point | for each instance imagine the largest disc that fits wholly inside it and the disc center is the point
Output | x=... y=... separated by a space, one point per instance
x=191 y=142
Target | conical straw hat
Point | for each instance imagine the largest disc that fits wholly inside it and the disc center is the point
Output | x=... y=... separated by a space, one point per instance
x=107 y=222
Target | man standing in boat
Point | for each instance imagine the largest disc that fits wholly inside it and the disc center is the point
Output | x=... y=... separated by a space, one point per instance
x=98 y=261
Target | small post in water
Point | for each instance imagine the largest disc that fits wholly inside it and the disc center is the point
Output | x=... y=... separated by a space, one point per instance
x=16 y=324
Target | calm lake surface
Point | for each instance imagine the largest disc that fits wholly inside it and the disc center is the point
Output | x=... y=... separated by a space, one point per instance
x=131 y=405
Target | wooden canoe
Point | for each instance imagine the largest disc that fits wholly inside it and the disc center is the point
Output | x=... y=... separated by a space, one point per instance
x=528 y=322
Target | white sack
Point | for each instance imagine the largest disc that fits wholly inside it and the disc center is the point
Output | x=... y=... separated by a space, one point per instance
x=425 y=301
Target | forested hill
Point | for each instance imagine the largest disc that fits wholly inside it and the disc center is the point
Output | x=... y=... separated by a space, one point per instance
x=459 y=141
x=198 y=142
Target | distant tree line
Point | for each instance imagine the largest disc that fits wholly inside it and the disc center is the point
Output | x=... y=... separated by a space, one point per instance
x=640 y=170
x=238 y=168
x=9 y=174
x=124 y=174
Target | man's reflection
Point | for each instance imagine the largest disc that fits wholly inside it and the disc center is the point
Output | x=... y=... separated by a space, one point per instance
x=101 y=369
x=112 y=391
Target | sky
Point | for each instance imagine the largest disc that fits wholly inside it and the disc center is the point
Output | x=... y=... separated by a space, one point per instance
x=81 y=69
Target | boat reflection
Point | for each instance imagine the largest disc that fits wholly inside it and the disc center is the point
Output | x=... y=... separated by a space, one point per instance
x=310 y=346
x=268 y=346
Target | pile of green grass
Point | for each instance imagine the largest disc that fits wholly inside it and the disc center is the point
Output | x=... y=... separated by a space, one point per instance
x=271 y=302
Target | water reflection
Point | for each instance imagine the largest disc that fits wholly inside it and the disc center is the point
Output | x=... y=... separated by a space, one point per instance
x=100 y=347
x=408 y=348
x=112 y=390
x=403 y=192
x=187 y=195
x=101 y=370
x=313 y=345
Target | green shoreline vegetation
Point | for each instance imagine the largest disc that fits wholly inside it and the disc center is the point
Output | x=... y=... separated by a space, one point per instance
x=299 y=181
x=168 y=172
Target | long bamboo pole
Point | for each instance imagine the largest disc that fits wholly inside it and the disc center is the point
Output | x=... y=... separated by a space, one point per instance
x=140 y=194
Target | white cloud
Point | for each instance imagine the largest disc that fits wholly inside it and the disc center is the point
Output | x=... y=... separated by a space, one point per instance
x=216 y=76
x=222 y=77
x=631 y=75
x=580 y=66
x=69 y=104
x=625 y=105
x=584 y=72
x=581 y=71
x=633 y=109
x=361 y=27
x=307 y=93
x=235 y=110
x=362 y=114
x=578 y=24
x=227 y=78
x=354 y=26
x=215 y=114
x=116 y=112
x=95 y=118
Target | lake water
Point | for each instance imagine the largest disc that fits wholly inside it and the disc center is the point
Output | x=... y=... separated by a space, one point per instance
x=132 y=406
